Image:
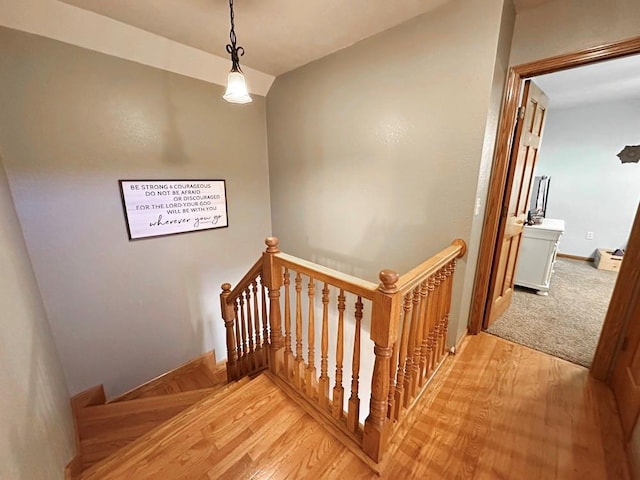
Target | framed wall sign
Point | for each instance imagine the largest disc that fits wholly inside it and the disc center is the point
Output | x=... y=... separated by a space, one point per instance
x=153 y=208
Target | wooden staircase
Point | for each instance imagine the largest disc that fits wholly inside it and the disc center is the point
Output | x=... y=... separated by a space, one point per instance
x=266 y=411
x=235 y=430
x=104 y=428
x=251 y=428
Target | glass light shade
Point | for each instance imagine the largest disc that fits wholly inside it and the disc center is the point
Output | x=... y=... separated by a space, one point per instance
x=236 y=89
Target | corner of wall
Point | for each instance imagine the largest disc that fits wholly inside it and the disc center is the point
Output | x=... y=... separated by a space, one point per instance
x=503 y=50
x=37 y=438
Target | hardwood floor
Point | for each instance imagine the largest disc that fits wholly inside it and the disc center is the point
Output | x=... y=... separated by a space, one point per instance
x=509 y=412
x=504 y=412
x=256 y=431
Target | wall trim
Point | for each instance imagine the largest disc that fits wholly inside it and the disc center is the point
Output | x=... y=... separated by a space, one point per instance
x=575 y=257
x=76 y=26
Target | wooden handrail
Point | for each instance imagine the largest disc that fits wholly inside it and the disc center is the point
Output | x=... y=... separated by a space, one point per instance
x=427 y=268
x=347 y=282
x=253 y=272
x=353 y=284
x=408 y=327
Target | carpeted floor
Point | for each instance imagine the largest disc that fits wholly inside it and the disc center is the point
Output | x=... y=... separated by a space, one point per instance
x=567 y=323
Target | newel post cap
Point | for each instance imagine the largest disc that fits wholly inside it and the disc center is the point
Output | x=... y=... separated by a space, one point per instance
x=226 y=288
x=272 y=244
x=463 y=246
x=388 y=280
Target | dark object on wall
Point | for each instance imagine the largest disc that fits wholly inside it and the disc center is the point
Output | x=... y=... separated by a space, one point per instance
x=539 y=196
x=630 y=154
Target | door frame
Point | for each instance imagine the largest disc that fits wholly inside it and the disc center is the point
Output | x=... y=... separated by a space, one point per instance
x=612 y=330
x=520 y=132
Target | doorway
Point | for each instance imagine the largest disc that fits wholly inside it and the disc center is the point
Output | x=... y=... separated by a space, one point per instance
x=583 y=198
x=502 y=169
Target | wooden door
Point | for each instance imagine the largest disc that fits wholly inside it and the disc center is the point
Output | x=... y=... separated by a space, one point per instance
x=524 y=154
x=624 y=310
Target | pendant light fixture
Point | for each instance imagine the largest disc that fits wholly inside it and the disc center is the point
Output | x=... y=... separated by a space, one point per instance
x=236 y=86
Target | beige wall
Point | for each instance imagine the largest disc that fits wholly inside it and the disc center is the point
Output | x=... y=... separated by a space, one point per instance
x=497 y=91
x=36 y=429
x=73 y=123
x=565 y=26
x=375 y=151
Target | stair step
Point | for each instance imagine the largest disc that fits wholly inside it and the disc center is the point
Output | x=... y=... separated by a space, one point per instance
x=201 y=372
x=219 y=415
x=254 y=431
x=104 y=429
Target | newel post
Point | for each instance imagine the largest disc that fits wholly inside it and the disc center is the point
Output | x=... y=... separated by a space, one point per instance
x=272 y=277
x=228 y=315
x=384 y=323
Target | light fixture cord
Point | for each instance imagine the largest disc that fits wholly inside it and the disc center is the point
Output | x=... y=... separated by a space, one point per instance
x=235 y=52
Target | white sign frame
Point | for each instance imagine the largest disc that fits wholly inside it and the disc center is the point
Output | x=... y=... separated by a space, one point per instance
x=157 y=208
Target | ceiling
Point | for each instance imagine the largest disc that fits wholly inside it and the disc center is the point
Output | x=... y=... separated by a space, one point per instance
x=278 y=35
x=599 y=82
x=281 y=35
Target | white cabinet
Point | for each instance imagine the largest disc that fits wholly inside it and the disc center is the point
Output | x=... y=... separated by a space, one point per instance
x=537 y=255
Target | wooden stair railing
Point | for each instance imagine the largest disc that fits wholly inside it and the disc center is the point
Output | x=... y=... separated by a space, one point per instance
x=244 y=311
x=408 y=317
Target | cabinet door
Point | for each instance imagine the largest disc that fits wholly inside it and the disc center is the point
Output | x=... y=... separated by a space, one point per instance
x=534 y=263
x=552 y=260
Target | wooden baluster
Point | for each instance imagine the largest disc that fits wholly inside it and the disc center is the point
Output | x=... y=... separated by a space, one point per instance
x=251 y=359
x=441 y=313
x=243 y=339
x=265 y=323
x=256 y=319
x=384 y=320
x=338 y=389
x=418 y=309
x=436 y=320
x=431 y=314
x=323 y=382
x=411 y=368
x=273 y=278
x=299 y=369
x=353 y=412
x=392 y=383
x=311 y=380
x=402 y=356
x=443 y=300
x=448 y=273
x=424 y=335
x=266 y=341
x=452 y=267
x=288 y=353
x=229 y=319
x=240 y=368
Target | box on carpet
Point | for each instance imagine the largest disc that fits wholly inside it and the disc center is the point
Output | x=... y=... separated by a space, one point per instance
x=605 y=260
